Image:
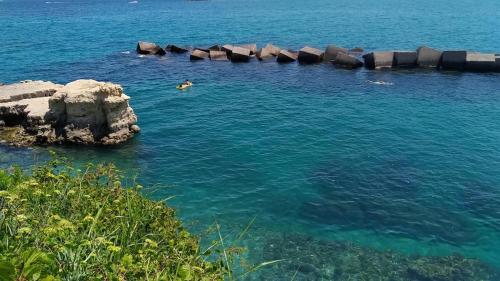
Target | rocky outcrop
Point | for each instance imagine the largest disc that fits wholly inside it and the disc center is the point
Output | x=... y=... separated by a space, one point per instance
x=82 y=112
x=346 y=61
x=27 y=90
x=239 y=54
x=453 y=60
x=146 y=48
x=12 y=114
x=497 y=62
x=28 y=112
x=286 y=56
x=308 y=55
x=332 y=51
x=268 y=52
x=198 y=54
x=480 y=62
x=379 y=60
x=406 y=59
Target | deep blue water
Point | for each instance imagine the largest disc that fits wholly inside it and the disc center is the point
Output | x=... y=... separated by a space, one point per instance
x=314 y=151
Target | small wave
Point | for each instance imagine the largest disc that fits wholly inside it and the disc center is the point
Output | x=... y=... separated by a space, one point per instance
x=126 y=52
x=133 y=2
x=379 y=82
x=54 y=2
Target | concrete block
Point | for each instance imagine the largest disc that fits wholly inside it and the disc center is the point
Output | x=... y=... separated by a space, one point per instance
x=239 y=54
x=251 y=47
x=198 y=54
x=428 y=57
x=405 y=59
x=309 y=55
x=480 y=62
x=453 y=60
x=218 y=56
x=379 y=60
x=346 y=61
x=268 y=52
x=332 y=51
x=176 y=49
x=147 y=48
x=286 y=56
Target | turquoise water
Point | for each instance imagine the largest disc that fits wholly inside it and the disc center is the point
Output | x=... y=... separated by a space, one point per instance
x=309 y=151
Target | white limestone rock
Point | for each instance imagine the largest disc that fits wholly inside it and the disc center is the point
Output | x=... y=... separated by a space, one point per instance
x=83 y=111
x=27 y=90
x=99 y=108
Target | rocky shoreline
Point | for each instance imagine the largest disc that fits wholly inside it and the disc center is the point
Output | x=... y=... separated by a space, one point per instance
x=422 y=57
x=81 y=112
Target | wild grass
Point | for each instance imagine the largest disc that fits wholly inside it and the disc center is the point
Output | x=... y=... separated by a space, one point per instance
x=62 y=223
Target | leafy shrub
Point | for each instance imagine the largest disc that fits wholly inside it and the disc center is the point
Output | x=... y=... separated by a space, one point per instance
x=62 y=223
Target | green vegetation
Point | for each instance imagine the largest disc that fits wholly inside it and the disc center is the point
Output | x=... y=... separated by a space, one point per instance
x=62 y=223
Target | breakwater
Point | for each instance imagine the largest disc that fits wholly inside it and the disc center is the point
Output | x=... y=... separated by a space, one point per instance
x=422 y=57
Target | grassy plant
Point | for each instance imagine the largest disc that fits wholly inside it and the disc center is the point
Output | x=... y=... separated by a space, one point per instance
x=62 y=223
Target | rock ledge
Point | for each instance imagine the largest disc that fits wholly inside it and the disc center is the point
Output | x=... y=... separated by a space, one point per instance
x=81 y=112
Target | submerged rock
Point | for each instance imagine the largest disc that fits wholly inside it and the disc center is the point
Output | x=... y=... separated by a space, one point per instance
x=305 y=258
x=286 y=56
x=83 y=111
x=146 y=48
x=348 y=198
x=309 y=55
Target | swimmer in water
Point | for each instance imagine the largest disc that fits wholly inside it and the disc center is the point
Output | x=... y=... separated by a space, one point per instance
x=380 y=82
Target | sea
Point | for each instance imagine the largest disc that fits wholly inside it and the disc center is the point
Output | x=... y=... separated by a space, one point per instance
x=328 y=175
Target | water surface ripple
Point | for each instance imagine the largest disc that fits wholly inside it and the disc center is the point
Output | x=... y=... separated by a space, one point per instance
x=311 y=151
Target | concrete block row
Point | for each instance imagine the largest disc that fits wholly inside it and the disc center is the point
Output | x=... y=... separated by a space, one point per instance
x=423 y=57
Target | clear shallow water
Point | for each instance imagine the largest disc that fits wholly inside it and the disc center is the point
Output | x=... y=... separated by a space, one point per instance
x=309 y=150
